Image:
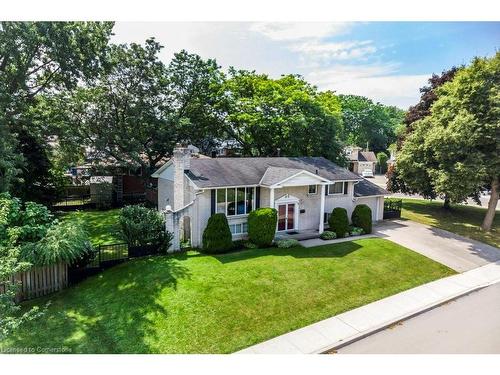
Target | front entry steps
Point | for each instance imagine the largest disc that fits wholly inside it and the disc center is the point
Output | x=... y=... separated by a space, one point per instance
x=300 y=235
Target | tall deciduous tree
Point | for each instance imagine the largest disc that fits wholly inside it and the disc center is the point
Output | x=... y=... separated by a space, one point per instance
x=456 y=148
x=37 y=57
x=466 y=133
x=416 y=179
x=264 y=114
x=367 y=123
x=137 y=109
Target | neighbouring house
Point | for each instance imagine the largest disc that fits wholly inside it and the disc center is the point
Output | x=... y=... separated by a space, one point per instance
x=360 y=160
x=304 y=190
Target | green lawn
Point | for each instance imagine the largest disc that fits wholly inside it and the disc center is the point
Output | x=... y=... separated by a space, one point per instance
x=463 y=220
x=193 y=303
x=102 y=226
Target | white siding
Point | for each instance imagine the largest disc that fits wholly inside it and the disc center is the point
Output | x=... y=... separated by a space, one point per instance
x=376 y=204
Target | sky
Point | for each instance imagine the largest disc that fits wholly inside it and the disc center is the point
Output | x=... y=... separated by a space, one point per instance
x=385 y=61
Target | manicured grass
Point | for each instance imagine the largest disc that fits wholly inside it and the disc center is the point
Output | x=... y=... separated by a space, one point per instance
x=193 y=303
x=102 y=226
x=463 y=220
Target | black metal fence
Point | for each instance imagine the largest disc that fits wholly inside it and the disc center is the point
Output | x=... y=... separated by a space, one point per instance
x=392 y=208
x=108 y=256
x=80 y=201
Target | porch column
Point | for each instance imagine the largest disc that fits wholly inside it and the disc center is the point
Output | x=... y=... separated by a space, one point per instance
x=271 y=197
x=322 y=210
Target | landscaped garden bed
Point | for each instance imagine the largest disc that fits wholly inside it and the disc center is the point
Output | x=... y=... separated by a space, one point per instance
x=194 y=303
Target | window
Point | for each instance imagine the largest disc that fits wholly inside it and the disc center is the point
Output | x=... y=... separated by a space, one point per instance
x=326 y=216
x=337 y=188
x=239 y=228
x=235 y=201
x=313 y=189
x=240 y=201
x=231 y=202
x=221 y=201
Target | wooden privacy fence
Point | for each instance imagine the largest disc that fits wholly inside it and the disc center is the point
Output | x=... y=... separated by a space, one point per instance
x=40 y=281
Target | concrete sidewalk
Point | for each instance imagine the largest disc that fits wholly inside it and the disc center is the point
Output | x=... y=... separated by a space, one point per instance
x=365 y=320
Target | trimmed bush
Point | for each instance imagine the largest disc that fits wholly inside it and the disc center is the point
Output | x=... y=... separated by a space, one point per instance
x=142 y=226
x=362 y=217
x=356 y=231
x=328 y=235
x=287 y=244
x=262 y=226
x=217 y=237
x=339 y=222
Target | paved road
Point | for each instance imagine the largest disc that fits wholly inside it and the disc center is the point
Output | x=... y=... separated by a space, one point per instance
x=470 y=324
x=457 y=252
x=381 y=181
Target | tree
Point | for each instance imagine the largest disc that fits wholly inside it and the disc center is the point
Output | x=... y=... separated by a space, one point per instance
x=466 y=134
x=367 y=123
x=429 y=96
x=382 y=161
x=265 y=115
x=454 y=151
x=416 y=179
x=36 y=57
x=138 y=109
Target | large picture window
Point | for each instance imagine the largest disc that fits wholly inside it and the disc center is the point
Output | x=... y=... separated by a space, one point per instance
x=337 y=188
x=235 y=201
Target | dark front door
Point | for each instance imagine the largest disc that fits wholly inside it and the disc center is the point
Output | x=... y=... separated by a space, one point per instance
x=286 y=216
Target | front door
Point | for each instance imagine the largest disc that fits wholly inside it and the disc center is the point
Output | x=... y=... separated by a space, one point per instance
x=286 y=217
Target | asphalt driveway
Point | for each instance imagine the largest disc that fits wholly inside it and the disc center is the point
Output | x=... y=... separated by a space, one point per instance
x=457 y=252
x=467 y=325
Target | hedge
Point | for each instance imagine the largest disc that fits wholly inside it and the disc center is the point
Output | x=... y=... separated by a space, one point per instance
x=339 y=222
x=262 y=226
x=217 y=237
x=362 y=217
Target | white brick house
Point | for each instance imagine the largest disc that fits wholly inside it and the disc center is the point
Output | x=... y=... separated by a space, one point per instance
x=304 y=190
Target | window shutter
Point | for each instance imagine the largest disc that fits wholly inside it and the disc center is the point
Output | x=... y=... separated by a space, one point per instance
x=212 y=201
x=257 y=197
x=346 y=186
x=326 y=189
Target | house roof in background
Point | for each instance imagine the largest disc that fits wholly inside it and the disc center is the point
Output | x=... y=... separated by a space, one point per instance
x=365 y=188
x=220 y=172
x=364 y=156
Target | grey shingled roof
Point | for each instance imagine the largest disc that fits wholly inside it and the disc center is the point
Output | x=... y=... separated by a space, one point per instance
x=365 y=188
x=273 y=175
x=364 y=156
x=218 y=172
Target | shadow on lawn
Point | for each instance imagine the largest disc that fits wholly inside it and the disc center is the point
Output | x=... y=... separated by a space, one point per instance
x=325 y=251
x=110 y=313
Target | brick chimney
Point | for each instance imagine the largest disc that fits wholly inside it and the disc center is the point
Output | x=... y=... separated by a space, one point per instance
x=182 y=163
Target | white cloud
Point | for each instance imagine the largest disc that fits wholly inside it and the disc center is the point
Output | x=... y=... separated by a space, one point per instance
x=290 y=31
x=310 y=49
x=335 y=51
x=372 y=81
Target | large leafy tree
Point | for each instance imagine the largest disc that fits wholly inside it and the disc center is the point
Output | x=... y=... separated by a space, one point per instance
x=38 y=57
x=458 y=144
x=413 y=176
x=265 y=115
x=427 y=98
x=367 y=123
x=137 y=109
x=466 y=134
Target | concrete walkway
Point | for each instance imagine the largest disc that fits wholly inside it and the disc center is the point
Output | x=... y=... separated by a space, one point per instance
x=457 y=252
x=365 y=320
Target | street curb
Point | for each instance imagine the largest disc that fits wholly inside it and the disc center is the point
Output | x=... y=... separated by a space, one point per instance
x=362 y=335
